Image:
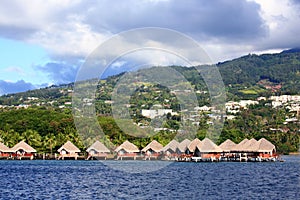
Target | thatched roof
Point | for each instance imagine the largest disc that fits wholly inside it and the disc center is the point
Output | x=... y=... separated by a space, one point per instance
x=240 y=146
x=154 y=146
x=4 y=148
x=265 y=145
x=98 y=147
x=69 y=147
x=128 y=147
x=208 y=146
x=23 y=146
x=253 y=145
x=227 y=145
x=182 y=147
x=192 y=146
x=250 y=146
x=171 y=146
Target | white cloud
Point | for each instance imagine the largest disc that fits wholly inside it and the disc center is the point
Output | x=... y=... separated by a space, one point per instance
x=75 y=28
x=283 y=21
x=73 y=39
x=70 y=30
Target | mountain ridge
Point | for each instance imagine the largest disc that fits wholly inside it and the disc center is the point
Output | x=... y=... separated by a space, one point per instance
x=247 y=71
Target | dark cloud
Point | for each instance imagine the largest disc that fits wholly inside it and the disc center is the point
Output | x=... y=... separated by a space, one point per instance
x=15 y=87
x=60 y=72
x=227 y=19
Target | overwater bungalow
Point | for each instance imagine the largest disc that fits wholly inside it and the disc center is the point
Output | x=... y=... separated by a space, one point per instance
x=244 y=150
x=183 y=151
x=253 y=150
x=127 y=150
x=170 y=150
x=260 y=150
x=97 y=150
x=22 y=150
x=4 y=151
x=239 y=150
x=152 y=150
x=68 y=150
x=227 y=146
x=192 y=146
x=266 y=150
x=207 y=150
x=182 y=147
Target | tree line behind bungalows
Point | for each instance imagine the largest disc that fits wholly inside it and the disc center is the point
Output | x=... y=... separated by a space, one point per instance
x=46 y=129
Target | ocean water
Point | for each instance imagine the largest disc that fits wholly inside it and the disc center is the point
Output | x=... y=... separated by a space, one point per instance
x=40 y=179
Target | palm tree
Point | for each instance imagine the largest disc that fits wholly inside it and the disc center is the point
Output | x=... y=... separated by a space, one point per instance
x=11 y=138
x=33 y=138
x=49 y=142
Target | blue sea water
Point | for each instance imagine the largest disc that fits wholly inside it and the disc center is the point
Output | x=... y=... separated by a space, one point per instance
x=40 y=179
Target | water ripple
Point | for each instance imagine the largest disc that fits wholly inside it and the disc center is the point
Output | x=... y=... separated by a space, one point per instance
x=93 y=180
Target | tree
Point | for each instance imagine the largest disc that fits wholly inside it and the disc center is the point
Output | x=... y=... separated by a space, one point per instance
x=49 y=141
x=32 y=138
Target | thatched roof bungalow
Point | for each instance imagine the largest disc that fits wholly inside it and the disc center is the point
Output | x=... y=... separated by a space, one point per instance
x=153 y=146
x=97 y=150
x=171 y=147
x=183 y=146
x=23 y=150
x=208 y=150
x=68 y=150
x=23 y=147
x=170 y=150
x=153 y=149
x=227 y=145
x=4 y=151
x=262 y=146
x=127 y=149
x=208 y=146
x=192 y=146
x=253 y=149
x=97 y=147
x=265 y=146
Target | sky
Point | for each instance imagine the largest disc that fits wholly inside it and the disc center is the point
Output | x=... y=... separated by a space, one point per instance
x=46 y=42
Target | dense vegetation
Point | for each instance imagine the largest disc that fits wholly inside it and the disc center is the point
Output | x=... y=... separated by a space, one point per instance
x=44 y=128
x=47 y=129
x=263 y=121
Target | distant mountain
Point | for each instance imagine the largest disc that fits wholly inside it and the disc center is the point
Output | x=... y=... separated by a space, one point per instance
x=266 y=71
x=8 y=87
x=249 y=76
